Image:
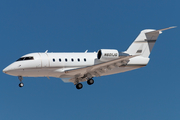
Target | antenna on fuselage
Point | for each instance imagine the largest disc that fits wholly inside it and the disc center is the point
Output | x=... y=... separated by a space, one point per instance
x=86 y=51
x=46 y=51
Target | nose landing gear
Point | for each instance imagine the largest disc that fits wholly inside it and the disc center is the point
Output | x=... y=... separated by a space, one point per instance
x=21 y=84
x=20 y=79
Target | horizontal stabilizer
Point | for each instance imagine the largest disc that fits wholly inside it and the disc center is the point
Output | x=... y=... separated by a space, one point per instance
x=163 y=29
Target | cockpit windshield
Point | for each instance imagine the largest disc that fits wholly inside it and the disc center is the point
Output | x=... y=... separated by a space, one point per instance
x=25 y=58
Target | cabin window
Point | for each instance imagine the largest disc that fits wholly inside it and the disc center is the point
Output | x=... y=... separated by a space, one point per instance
x=84 y=59
x=53 y=60
x=72 y=60
x=66 y=60
x=78 y=59
x=59 y=59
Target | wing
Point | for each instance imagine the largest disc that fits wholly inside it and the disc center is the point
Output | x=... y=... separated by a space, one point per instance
x=83 y=74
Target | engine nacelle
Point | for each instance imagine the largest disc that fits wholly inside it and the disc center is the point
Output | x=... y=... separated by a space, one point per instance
x=107 y=54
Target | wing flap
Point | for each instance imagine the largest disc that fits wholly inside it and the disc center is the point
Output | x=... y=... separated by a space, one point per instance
x=82 y=74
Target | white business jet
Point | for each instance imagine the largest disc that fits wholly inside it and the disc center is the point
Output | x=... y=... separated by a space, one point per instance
x=80 y=67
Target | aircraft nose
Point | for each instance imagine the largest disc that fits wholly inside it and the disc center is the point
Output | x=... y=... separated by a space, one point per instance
x=5 y=70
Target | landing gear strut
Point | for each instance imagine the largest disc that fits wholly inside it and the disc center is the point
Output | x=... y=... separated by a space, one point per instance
x=79 y=86
x=20 y=79
x=90 y=81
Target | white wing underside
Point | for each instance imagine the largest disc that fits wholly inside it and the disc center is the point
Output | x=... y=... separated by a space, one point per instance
x=83 y=74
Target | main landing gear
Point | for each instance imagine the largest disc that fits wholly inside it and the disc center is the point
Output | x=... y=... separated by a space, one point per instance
x=20 y=79
x=79 y=86
x=89 y=82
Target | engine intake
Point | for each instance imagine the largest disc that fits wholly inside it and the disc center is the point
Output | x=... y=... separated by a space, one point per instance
x=107 y=54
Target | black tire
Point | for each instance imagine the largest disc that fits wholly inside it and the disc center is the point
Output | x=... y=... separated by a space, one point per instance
x=21 y=84
x=90 y=81
x=79 y=86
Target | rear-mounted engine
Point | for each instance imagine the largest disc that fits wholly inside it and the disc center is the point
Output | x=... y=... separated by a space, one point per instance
x=107 y=54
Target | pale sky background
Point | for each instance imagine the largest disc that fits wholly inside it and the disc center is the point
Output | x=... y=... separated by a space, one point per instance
x=149 y=93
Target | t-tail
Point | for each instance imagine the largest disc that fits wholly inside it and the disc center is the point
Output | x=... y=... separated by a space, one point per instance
x=144 y=43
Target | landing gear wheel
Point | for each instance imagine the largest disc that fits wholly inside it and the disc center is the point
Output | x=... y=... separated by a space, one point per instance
x=90 y=81
x=21 y=84
x=20 y=79
x=79 y=86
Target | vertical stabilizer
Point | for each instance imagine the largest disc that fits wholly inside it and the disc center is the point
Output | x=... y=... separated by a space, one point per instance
x=144 y=43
